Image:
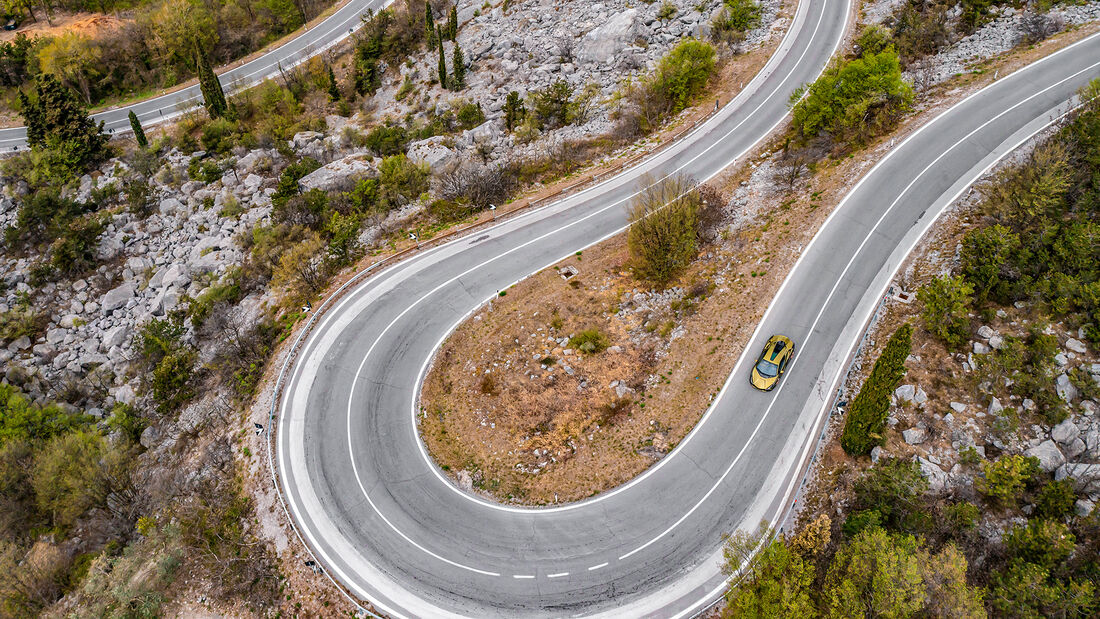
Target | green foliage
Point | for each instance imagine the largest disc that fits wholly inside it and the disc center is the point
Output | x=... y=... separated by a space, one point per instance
x=946 y=303
x=921 y=29
x=589 y=342
x=514 y=111
x=663 y=223
x=553 y=106
x=139 y=133
x=734 y=19
x=854 y=100
x=161 y=346
x=775 y=582
x=863 y=427
x=873 y=39
x=1042 y=542
x=1027 y=364
x=452 y=22
x=458 y=69
x=442 y=68
x=893 y=490
x=684 y=72
x=228 y=290
x=666 y=11
x=401 y=180
x=1056 y=499
x=125 y=419
x=1005 y=478
x=333 y=87
x=60 y=130
x=66 y=475
x=213 y=97
x=1027 y=590
x=205 y=170
x=287 y=186
x=962 y=516
x=21 y=321
x=74 y=252
x=23 y=420
x=470 y=115
x=876 y=574
x=220 y=135
x=386 y=140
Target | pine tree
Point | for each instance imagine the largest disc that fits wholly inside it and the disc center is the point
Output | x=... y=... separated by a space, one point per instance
x=452 y=23
x=57 y=122
x=458 y=69
x=429 y=26
x=139 y=133
x=442 y=65
x=213 y=96
x=333 y=87
x=514 y=110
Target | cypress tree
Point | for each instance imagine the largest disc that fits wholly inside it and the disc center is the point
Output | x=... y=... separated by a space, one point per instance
x=863 y=428
x=452 y=23
x=442 y=65
x=429 y=26
x=458 y=69
x=213 y=97
x=139 y=133
x=333 y=88
x=514 y=110
x=56 y=119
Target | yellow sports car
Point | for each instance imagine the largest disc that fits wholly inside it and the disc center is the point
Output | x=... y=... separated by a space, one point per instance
x=777 y=354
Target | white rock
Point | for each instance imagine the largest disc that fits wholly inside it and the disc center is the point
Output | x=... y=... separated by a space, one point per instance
x=905 y=393
x=117 y=297
x=985 y=332
x=995 y=407
x=434 y=153
x=1050 y=457
x=607 y=42
x=996 y=342
x=980 y=348
x=1065 y=389
x=1076 y=345
x=116 y=336
x=958 y=407
x=338 y=175
x=1064 y=432
x=914 y=436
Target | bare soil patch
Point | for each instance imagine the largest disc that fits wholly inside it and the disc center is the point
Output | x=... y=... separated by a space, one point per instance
x=87 y=24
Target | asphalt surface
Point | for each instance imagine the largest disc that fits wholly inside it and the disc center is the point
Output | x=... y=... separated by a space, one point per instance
x=389 y=525
x=156 y=110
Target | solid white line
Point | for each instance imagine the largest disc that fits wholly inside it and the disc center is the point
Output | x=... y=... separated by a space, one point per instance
x=427 y=362
x=840 y=279
x=432 y=467
x=596 y=567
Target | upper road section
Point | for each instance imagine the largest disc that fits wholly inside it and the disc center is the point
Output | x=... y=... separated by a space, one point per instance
x=156 y=110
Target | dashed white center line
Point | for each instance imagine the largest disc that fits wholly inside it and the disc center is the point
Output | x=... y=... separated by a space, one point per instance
x=522 y=576
x=596 y=567
x=558 y=575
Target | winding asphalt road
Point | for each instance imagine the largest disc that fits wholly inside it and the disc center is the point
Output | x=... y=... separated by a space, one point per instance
x=390 y=526
x=156 y=110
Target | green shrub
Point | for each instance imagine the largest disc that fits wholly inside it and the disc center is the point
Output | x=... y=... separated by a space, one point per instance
x=684 y=72
x=946 y=304
x=23 y=420
x=873 y=39
x=386 y=140
x=863 y=428
x=22 y=320
x=401 y=181
x=853 y=101
x=734 y=19
x=74 y=252
x=666 y=11
x=470 y=115
x=859 y=520
x=962 y=516
x=207 y=171
x=553 y=106
x=219 y=135
x=894 y=489
x=589 y=342
x=1056 y=499
x=663 y=222
x=171 y=382
x=288 y=180
x=228 y=290
x=1005 y=478
x=1042 y=542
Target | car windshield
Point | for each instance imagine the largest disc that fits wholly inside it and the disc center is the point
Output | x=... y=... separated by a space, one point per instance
x=767 y=369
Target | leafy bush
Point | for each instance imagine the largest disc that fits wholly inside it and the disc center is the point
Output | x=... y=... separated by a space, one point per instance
x=863 y=428
x=401 y=181
x=893 y=490
x=22 y=321
x=946 y=304
x=1042 y=542
x=553 y=106
x=386 y=140
x=663 y=225
x=288 y=180
x=1005 y=478
x=734 y=19
x=172 y=364
x=684 y=72
x=962 y=516
x=219 y=135
x=853 y=101
x=589 y=342
x=1056 y=499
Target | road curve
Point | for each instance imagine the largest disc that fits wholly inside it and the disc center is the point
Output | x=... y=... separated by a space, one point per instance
x=156 y=110
x=393 y=530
